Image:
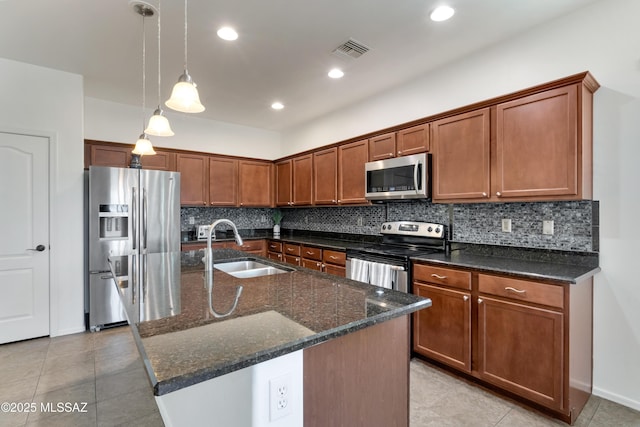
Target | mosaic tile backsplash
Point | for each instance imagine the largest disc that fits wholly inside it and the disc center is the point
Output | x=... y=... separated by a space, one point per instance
x=576 y=224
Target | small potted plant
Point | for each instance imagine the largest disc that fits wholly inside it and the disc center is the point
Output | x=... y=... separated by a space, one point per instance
x=277 y=217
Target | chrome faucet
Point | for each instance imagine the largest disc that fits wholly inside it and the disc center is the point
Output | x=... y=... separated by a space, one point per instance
x=209 y=269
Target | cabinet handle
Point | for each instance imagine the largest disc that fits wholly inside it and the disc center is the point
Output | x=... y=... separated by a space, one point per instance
x=437 y=276
x=480 y=301
x=309 y=253
x=498 y=194
x=333 y=201
x=399 y=153
x=484 y=194
x=318 y=264
x=339 y=200
x=520 y=291
x=333 y=257
x=390 y=154
x=465 y=298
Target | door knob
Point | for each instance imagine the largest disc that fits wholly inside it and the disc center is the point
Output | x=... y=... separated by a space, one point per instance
x=38 y=248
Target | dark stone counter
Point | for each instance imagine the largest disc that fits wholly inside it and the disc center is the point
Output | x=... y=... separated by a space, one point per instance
x=183 y=343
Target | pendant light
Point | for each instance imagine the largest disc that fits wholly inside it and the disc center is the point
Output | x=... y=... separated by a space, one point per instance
x=184 y=96
x=143 y=145
x=158 y=123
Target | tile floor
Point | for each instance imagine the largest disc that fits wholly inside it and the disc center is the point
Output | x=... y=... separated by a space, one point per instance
x=103 y=371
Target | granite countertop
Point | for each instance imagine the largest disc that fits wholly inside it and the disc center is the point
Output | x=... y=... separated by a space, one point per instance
x=536 y=269
x=182 y=343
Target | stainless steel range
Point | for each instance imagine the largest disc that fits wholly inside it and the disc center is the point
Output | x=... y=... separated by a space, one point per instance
x=387 y=264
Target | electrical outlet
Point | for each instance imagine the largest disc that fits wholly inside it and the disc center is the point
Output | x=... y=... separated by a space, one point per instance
x=192 y=220
x=506 y=225
x=280 y=402
x=360 y=221
x=306 y=219
x=547 y=227
x=263 y=218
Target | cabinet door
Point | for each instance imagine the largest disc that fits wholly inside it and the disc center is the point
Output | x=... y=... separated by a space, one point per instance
x=382 y=147
x=520 y=348
x=255 y=183
x=194 y=179
x=311 y=264
x=413 y=140
x=461 y=147
x=284 y=176
x=223 y=181
x=162 y=160
x=107 y=155
x=292 y=259
x=351 y=160
x=302 y=169
x=537 y=145
x=335 y=270
x=443 y=331
x=325 y=177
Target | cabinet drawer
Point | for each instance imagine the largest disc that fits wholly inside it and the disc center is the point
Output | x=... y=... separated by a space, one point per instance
x=275 y=246
x=522 y=290
x=252 y=245
x=290 y=249
x=309 y=252
x=334 y=257
x=442 y=276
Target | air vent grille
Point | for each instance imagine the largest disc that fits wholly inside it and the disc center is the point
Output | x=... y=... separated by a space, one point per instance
x=351 y=48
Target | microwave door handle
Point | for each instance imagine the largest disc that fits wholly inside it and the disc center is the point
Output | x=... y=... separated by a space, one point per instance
x=416 y=169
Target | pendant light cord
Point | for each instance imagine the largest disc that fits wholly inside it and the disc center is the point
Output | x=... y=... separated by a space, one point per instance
x=159 y=74
x=185 y=34
x=144 y=81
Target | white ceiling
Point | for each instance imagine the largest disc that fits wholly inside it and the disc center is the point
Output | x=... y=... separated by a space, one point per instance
x=283 y=52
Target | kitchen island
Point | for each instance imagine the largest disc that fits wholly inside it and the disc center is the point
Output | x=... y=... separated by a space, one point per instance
x=295 y=347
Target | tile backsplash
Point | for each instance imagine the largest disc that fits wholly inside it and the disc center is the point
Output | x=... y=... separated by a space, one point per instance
x=576 y=224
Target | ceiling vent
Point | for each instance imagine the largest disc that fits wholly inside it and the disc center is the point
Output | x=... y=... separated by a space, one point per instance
x=351 y=49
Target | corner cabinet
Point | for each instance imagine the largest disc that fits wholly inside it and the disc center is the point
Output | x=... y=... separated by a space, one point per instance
x=529 y=338
x=255 y=183
x=531 y=146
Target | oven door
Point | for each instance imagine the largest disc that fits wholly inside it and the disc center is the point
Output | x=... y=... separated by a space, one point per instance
x=399 y=178
x=378 y=272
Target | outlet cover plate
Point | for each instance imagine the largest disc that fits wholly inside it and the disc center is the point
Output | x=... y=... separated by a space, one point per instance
x=506 y=225
x=280 y=394
x=547 y=227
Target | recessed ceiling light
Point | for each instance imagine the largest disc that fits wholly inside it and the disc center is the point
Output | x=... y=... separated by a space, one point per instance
x=277 y=106
x=442 y=13
x=227 y=33
x=335 y=73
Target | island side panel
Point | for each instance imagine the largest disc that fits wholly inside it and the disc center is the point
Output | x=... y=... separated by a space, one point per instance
x=360 y=378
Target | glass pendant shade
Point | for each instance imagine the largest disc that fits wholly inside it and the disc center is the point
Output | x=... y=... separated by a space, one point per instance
x=143 y=146
x=184 y=97
x=159 y=125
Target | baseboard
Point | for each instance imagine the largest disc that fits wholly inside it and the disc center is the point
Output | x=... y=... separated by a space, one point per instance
x=633 y=404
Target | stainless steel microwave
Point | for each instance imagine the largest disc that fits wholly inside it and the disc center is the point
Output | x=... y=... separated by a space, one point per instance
x=406 y=177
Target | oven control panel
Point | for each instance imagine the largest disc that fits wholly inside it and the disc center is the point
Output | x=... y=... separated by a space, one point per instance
x=411 y=228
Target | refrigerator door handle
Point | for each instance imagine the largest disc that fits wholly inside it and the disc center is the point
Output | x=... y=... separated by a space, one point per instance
x=135 y=218
x=143 y=294
x=134 y=288
x=144 y=218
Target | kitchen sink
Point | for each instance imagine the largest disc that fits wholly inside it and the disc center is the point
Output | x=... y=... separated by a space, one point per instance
x=249 y=268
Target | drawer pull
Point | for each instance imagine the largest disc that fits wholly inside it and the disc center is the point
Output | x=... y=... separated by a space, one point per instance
x=465 y=298
x=309 y=253
x=480 y=301
x=519 y=291
x=437 y=276
x=333 y=257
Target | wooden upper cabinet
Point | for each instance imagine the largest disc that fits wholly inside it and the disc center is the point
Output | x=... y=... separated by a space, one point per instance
x=194 y=179
x=255 y=183
x=223 y=181
x=537 y=145
x=461 y=147
x=382 y=147
x=110 y=155
x=325 y=177
x=351 y=160
x=162 y=160
x=413 y=140
x=302 y=167
x=284 y=176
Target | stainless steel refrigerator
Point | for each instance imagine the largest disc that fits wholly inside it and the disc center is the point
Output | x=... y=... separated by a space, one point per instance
x=132 y=213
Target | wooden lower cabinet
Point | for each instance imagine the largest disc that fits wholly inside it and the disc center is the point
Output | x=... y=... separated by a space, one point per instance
x=329 y=261
x=520 y=349
x=443 y=332
x=530 y=339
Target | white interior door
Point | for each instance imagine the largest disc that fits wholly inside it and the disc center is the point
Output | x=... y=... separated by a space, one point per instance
x=24 y=236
